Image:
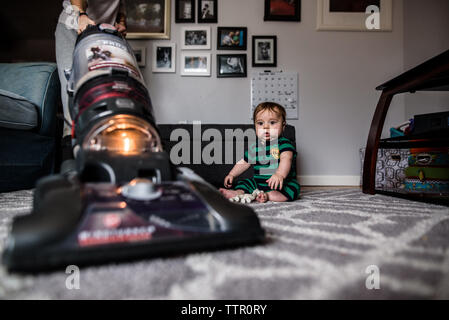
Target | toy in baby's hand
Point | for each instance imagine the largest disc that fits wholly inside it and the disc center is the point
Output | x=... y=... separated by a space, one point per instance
x=246 y=197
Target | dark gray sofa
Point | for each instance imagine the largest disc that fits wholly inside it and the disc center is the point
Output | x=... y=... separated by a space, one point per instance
x=29 y=130
x=216 y=172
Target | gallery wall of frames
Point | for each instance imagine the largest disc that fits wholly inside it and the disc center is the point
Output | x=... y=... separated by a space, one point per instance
x=198 y=23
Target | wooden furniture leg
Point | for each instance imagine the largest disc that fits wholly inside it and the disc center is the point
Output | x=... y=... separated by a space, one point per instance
x=372 y=144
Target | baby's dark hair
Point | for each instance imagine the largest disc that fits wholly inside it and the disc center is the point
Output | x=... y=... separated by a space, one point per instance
x=273 y=107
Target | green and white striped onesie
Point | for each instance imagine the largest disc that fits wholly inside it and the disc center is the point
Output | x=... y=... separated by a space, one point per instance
x=266 y=158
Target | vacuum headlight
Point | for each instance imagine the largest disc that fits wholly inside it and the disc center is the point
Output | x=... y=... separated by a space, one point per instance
x=123 y=134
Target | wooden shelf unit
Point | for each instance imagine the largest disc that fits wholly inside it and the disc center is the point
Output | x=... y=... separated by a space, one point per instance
x=432 y=75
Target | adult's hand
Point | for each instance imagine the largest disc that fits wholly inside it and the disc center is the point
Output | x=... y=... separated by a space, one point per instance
x=83 y=22
x=121 y=27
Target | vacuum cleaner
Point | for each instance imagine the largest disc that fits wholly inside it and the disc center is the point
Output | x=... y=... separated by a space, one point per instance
x=120 y=198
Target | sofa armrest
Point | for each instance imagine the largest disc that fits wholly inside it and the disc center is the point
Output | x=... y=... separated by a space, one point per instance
x=38 y=82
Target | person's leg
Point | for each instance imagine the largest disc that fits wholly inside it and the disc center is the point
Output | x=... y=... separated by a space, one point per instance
x=243 y=186
x=262 y=197
x=276 y=196
x=228 y=193
x=65 y=43
x=289 y=192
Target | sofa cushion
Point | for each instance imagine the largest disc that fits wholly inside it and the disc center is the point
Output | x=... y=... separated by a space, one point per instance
x=38 y=83
x=16 y=112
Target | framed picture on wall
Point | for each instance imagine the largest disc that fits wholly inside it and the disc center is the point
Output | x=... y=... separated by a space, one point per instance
x=148 y=19
x=196 y=64
x=232 y=38
x=355 y=15
x=140 y=53
x=195 y=38
x=231 y=66
x=207 y=11
x=164 y=57
x=282 y=10
x=184 y=11
x=264 y=51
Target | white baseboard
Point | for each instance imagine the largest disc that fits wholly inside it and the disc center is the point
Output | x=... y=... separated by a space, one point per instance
x=329 y=180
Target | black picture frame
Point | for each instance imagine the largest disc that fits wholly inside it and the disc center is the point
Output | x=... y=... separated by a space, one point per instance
x=260 y=57
x=232 y=38
x=235 y=68
x=282 y=10
x=180 y=11
x=209 y=16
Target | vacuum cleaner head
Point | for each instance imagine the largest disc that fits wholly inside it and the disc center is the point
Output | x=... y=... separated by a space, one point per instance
x=91 y=223
x=124 y=199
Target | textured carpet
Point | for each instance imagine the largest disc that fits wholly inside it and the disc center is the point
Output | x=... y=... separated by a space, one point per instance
x=318 y=247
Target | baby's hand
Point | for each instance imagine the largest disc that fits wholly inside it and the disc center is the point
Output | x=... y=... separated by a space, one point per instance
x=228 y=181
x=275 y=181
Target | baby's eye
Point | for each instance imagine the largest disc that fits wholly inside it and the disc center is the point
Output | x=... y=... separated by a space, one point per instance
x=273 y=122
x=259 y=123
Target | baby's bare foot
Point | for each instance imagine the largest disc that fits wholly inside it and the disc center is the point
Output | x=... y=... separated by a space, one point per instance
x=228 y=194
x=262 y=197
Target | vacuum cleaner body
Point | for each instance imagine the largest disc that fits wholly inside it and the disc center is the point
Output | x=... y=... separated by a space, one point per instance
x=123 y=199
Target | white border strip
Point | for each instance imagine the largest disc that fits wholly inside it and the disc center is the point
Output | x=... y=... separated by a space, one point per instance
x=329 y=180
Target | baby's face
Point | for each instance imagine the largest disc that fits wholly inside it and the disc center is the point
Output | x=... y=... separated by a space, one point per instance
x=269 y=125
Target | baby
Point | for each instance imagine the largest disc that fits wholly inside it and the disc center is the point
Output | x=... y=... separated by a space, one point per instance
x=274 y=159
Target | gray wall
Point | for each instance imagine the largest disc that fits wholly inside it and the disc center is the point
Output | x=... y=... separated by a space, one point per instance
x=426 y=34
x=338 y=73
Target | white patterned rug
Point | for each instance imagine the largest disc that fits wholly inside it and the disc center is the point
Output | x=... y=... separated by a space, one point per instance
x=330 y=244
